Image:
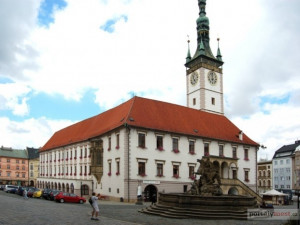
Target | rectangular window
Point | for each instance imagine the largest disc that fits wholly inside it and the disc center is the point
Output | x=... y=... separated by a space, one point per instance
x=234 y=152
x=142 y=168
x=23 y=175
x=8 y=166
x=287 y=161
x=160 y=169
x=191 y=171
x=118 y=140
x=17 y=175
x=31 y=166
x=175 y=146
x=118 y=168
x=176 y=171
x=109 y=168
x=85 y=152
x=109 y=143
x=246 y=175
x=17 y=161
x=23 y=161
x=206 y=149
x=213 y=102
x=275 y=162
x=142 y=140
x=221 y=150
x=191 y=147
x=8 y=160
x=159 y=142
x=194 y=101
x=246 y=154
x=8 y=174
x=281 y=162
x=17 y=167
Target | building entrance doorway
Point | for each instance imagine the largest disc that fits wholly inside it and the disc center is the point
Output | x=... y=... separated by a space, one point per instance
x=150 y=193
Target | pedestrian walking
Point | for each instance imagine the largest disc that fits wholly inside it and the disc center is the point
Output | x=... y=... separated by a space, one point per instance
x=95 y=206
x=25 y=194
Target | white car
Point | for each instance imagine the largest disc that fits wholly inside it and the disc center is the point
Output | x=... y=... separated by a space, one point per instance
x=8 y=188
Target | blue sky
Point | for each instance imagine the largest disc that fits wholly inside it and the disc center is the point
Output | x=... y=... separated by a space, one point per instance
x=64 y=61
x=45 y=14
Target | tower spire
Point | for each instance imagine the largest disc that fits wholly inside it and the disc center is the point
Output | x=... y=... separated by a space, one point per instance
x=219 y=56
x=188 y=57
x=203 y=51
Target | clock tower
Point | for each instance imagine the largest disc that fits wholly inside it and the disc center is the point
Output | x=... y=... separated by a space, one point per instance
x=204 y=77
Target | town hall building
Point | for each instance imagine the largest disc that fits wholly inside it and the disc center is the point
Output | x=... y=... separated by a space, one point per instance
x=153 y=146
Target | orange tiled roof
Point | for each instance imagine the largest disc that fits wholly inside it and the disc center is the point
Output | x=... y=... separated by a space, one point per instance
x=150 y=114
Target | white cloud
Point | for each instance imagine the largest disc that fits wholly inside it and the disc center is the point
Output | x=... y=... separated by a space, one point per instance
x=33 y=132
x=13 y=98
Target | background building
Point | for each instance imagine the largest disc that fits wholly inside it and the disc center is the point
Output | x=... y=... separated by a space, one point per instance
x=264 y=176
x=34 y=163
x=13 y=166
x=283 y=166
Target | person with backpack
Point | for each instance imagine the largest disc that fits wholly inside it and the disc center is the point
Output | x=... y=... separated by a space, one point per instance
x=94 y=203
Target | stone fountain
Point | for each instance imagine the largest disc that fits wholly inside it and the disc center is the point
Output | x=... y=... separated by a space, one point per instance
x=205 y=199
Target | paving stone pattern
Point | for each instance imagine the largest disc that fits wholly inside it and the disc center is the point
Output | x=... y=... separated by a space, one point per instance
x=16 y=210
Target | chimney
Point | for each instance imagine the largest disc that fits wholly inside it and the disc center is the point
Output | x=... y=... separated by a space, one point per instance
x=241 y=135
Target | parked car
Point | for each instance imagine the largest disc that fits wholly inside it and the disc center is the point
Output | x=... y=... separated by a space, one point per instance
x=21 y=190
x=67 y=197
x=37 y=193
x=2 y=187
x=31 y=191
x=9 y=188
x=52 y=194
x=46 y=193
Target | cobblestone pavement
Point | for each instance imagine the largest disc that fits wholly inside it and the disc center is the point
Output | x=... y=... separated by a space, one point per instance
x=16 y=210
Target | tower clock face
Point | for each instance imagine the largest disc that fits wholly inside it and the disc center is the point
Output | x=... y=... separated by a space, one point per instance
x=194 y=78
x=212 y=77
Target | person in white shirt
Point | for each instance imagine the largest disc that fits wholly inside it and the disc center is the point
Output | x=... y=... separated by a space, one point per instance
x=95 y=206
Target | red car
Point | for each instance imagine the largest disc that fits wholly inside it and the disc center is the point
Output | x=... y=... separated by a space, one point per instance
x=67 y=197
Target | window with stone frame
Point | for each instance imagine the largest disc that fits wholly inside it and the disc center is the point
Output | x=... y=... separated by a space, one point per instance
x=142 y=169
x=118 y=167
x=176 y=171
x=159 y=169
x=192 y=172
x=109 y=168
x=221 y=150
x=246 y=175
x=234 y=155
x=192 y=147
x=109 y=143
x=246 y=154
x=206 y=149
x=117 y=141
x=175 y=144
x=141 y=140
x=159 y=142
